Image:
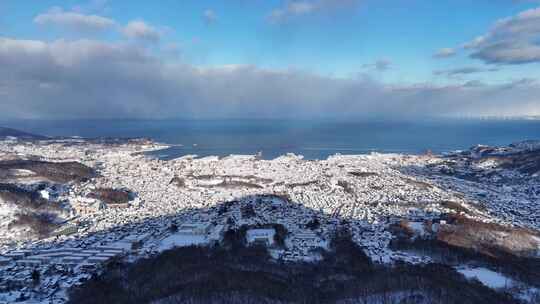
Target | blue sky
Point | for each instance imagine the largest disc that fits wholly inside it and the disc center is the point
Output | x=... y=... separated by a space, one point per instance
x=391 y=42
x=338 y=43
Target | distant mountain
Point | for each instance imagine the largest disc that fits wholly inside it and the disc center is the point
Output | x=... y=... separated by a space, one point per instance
x=522 y=156
x=8 y=132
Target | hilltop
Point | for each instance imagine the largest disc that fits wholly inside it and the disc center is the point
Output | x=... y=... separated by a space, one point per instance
x=6 y=133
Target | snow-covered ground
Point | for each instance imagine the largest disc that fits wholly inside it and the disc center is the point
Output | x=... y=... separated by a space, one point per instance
x=182 y=240
x=486 y=276
x=498 y=281
x=5 y=209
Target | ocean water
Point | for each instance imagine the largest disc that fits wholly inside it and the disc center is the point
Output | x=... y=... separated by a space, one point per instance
x=313 y=139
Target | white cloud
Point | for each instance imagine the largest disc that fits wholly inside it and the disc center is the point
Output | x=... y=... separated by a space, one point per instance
x=74 y=20
x=140 y=30
x=513 y=40
x=86 y=78
x=464 y=71
x=445 y=53
x=78 y=21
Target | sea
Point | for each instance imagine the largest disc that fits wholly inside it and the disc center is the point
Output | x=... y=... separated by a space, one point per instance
x=314 y=139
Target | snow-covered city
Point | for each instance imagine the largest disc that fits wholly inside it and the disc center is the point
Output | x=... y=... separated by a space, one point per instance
x=61 y=226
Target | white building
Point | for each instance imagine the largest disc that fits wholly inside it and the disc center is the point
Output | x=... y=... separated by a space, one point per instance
x=264 y=236
x=194 y=228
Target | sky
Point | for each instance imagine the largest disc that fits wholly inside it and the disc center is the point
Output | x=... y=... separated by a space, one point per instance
x=345 y=59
